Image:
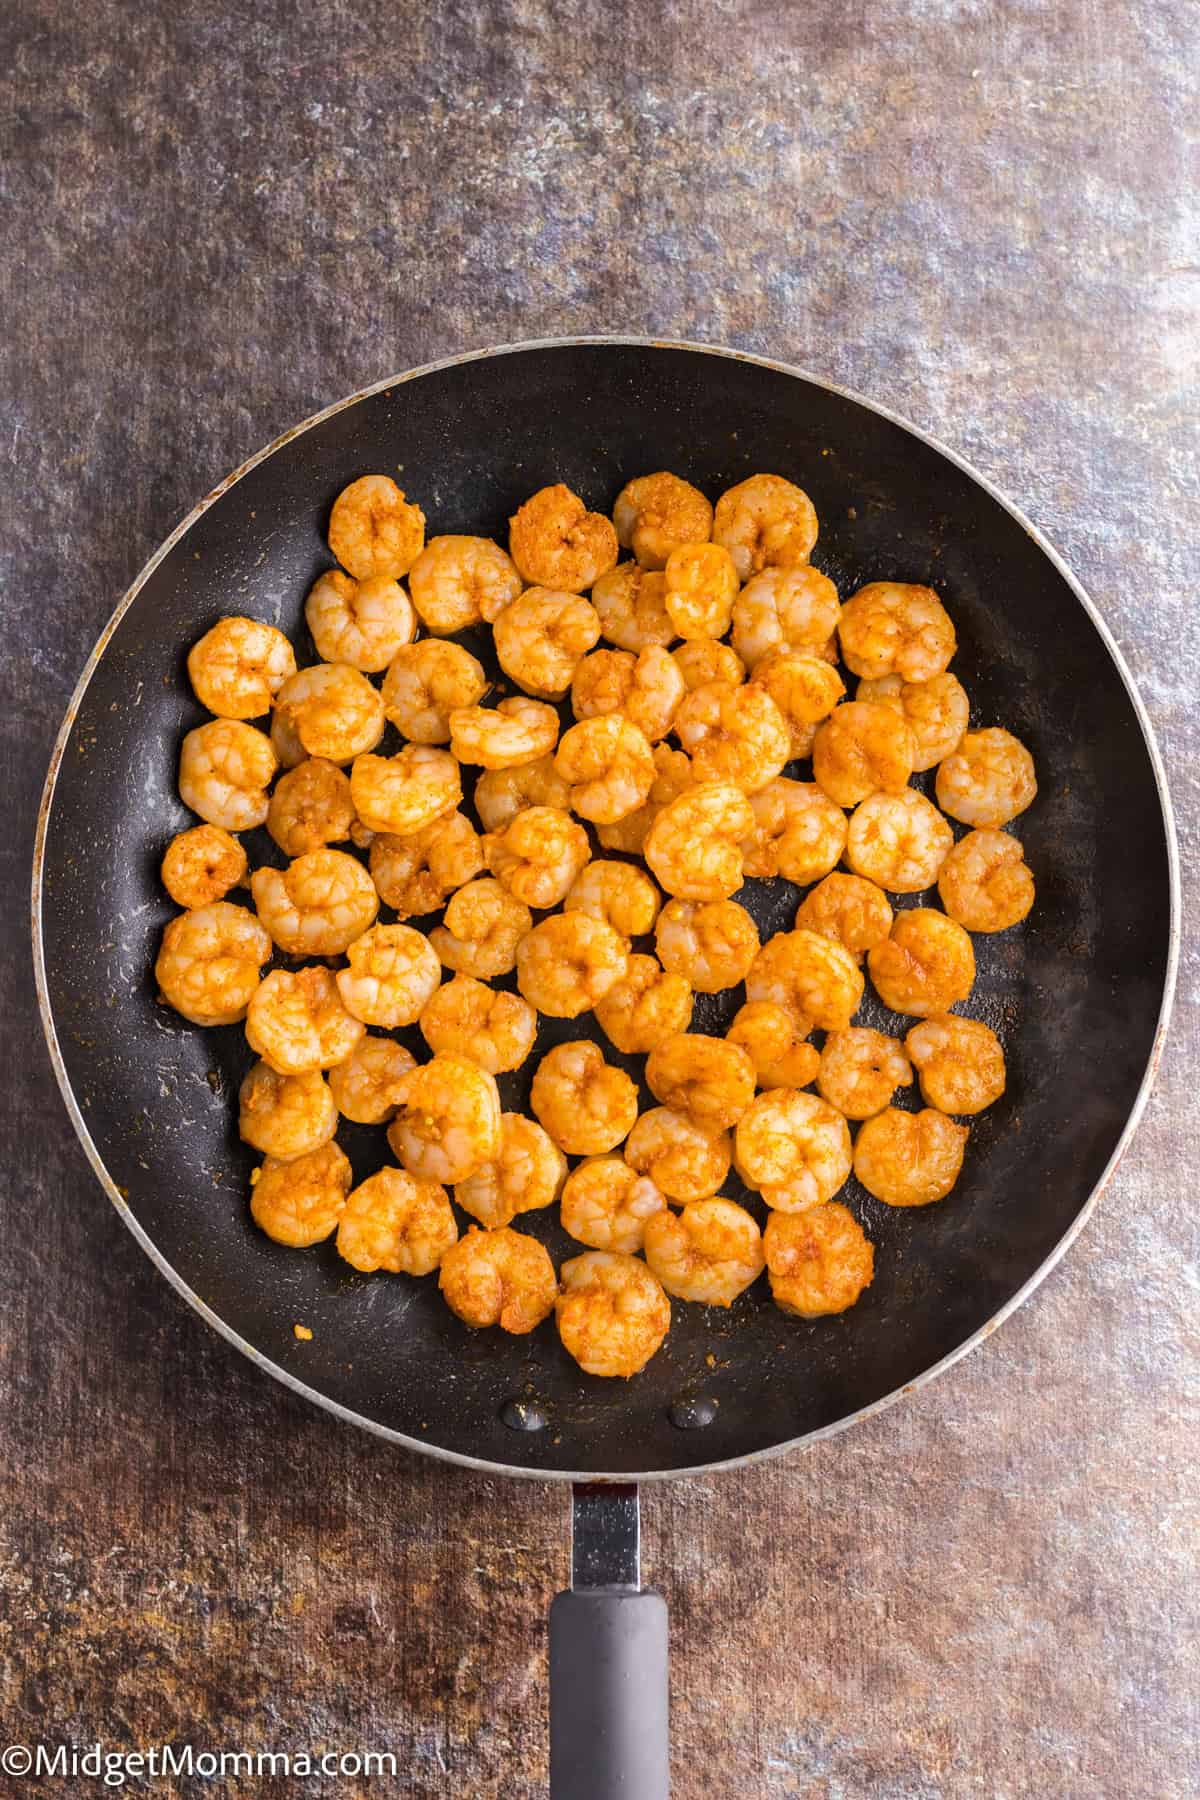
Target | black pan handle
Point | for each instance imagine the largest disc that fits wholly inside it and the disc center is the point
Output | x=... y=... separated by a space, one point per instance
x=608 y=1661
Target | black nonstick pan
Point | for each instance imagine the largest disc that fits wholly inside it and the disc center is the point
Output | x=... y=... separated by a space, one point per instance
x=1079 y=994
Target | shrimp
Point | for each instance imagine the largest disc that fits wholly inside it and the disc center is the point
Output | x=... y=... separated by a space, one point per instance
x=694 y=846
x=701 y=587
x=539 y=855
x=925 y=965
x=709 y=1253
x=374 y=530
x=818 y=1262
x=224 y=769
x=238 y=667
x=568 y=962
x=684 y=1160
x=612 y=1312
x=516 y=731
x=360 y=623
x=527 y=1174
x=899 y=841
x=500 y=1278
x=711 y=943
x=557 y=543
x=804 y=688
x=861 y=748
x=734 y=734
x=587 y=1106
x=467 y=1018
x=909 y=1159
x=776 y=1046
x=646 y=688
x=985 y=883
x=703 y=659
x=425 y=683
x=500 y=794
x=457 y=581
x=414 y=874
x=644 y=1006
x=986 y=782
x=709 y=1080
x=765 y=522
x=363 y=1084
x=861 y=1070
x=605 y=1204
x=794 y=1148
x=201 y=865
x=896 y=628
x=447 y=1121
x=672 y=775
x=393 y=974
x=400 y=794
x=631 y=607
x=311 y=807
x=618 y=894
x=329 y=710
x=481 y=929
x=285 y=1116
x=296 y=1022
x=655 y=514
x=849 y=909
x=936 y=712
x=318 y=905
x=814 y=979
x=796 y=832
x=210 y=963
x=394 y=1222
x=796 y=608
x=959 y=1062
x=608 y=766
x=542 y=637
x=299 y=1203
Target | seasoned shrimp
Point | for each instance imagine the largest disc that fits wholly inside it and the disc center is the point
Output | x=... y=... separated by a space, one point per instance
x=644 y=1006
x=374 y=530
x=201 y=865
x=481 y=930
x=318 y=905
x=646 y=688
x=557 y=543
x=360 y=623
x=708 y=1253
x=765 y=522
x=608 y=766
x=655 y=514
x=986 y=782
x=296 y=1022
x=694 y=845
x=425 y=683
x=363 y=1085
x=393 y=974
x=224 y=768
x=500 y=794
x=785 y=609
x=684 y=1160
x=734 y=734
x=936 y=711
x=568 y=962
x=959 y=1063
x=849 y=909
x=896 y=628
x=705 y=1077
x=527 y=1174
x=447 y=1121
x=457 y=581
x=400 y=794
x=704 y=659
x=516 y=731
x=612 y=1312
x=467 y=1018
x=909 y=1159
x=701 y=587
x=985 y=882
x=712 y=943
x=587 y=1106
x=796 y=832
x=816 y=981
x=500 y=1277
x=311 y=807
x=793 y=1147
x=925 y=966
x=605 y=1204
x=618 y=894
x=672 y=774
x=285 y=1116
x=804 y=688
x=329 y=710
x=394 y=1222
x=299 y=1203
x=602 y=683
x=238 y=667
x=630 y=603
x=414 y=874
x=542 y=638
x=861 y=1070
x=818 y=1262
x=773 y=1041
x=898 y=841
x=861 y=748
x=539 y=855
x=210 y=963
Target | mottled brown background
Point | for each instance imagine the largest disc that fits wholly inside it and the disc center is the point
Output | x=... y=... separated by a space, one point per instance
x=219 y=217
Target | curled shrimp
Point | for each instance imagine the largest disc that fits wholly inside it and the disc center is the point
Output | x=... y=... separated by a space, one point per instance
x=701 y=587
x=457 y=581
x=210 y=963
x=201 y=865
x=238 y=667
x=608 y=767
x=694 y=845
x=360 y=623
x=685 y=1161
x=224 y=769
x=896 y=628
x=363 y=1084
x=849 y=909
x=447 y=1121
x=527 y=1174
x=542 y=638
x=500 y=794
x=425 y=683
x=646 y=688
x=672 y=774
x=374 y=530
x=861 y=1070
x=329 y=710
x=605 y=1204
x=299 y=1202
x=861 y=748
x=481 y=930
x=557 y=543
x=414 y=874
x=644 y=1006
x=587 y=1106
x=985 y=883
x=392 y=976
x=516 y=731
x=618 y=894
x=296 y=1022
x=936 y=711
x=810 y=976
x=465 y=1017
x=986 y=782
x=909 y=1159
x=804 y=688
x=709 y=1080
x=655 y=514
x=403 y=793
x=539 y=855
x=711 y=943
x=499 y=1277
x=734 y=734
x=285 y=1116
x=311 y=807
x=612 y=1312
x=899 y=841
x=318 y=905
x=794 y=1148
x=925 y=966
x=775 y=1044
x=959 y=1063
x=394 y=1222
x=709 y=1253
x=795 y=608
x=630 y=604
x=568 y=962
x=704 y=659
x=765 y=522
x=818 y=1262
x=796 y=832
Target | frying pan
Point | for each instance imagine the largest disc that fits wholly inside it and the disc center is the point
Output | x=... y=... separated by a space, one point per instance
x=1079 y=994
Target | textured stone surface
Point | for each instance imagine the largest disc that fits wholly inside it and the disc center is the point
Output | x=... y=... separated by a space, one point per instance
x=218 y=218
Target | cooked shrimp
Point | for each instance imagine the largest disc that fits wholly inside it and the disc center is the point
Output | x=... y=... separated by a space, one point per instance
x=959 y=1063
x=311 y=807
x=557 y=543
x=318 y=905
x=849 y=909
x=467 y=1018
x=500 y=794
x=861 y=1070
x=793 y=1147
x=896 y=628
x=500 y=1278
x=705 y=1077
x=608 y=766
x=765 y=522
x=785 y=609
x=539 y=855
x=542 y=638
x=414 y=874
x=516 y=731
x=672 y=775
x=361 y=623
x=393 y=1221
x=393 y=974
x=363 y=1086
x=804 y=688
x=898 y=841
x=457 y=581
x=587 y=1106
x=684 y=1160
x=618 y=894
x=288 y=749
x=985 y=883
x=374 y=530
x=612 y=1312
x=925 y=966
x=425 y=683
x=201 y=865
x=568 y=962
x=796 y=832
x=605 y=1204
x=527 y=1174
x=602 y=683
x=655 y=514
x=299 y=1203
x=986 y=782
x=296 y=1022
x=734 y=734
x=238 y=667
x=224 y=768
x=646 y=688
x=694 y=845
x=936 y=711
x=711 y=943
x=644 y=1006
x=818 y=1262
x=708 y=1253
x=285 y=1116
x=703 y=659
x=400 y=794
x=210 y=963
x=701 y=587
x=630 y=604
x=773 y=1041
x=481 y=930
x=909 y=1159
x=447 y=1121
x=861 y=748
x=814 y=979
x=329 y=710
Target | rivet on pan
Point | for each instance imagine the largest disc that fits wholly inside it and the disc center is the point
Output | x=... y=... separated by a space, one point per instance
x=523 y=1415
x=692 y=1414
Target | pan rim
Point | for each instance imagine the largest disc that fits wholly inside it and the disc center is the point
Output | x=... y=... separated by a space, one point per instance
x=346 y=1414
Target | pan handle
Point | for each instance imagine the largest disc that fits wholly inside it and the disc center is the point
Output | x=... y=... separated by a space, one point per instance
x=608 y=1660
